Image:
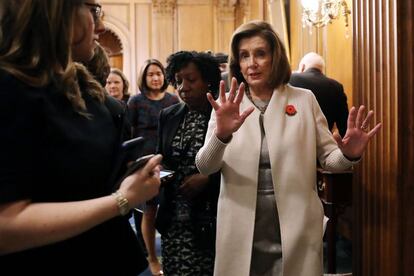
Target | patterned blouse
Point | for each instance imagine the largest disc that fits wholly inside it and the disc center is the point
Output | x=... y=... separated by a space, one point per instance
x=186 y=143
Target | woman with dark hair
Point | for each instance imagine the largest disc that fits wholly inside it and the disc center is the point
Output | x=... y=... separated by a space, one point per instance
x=269 y=211
x=117 y=85
x=61 y=211
x=187 y=212
x=144 y=109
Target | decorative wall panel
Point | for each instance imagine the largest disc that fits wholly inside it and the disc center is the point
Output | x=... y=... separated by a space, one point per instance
x=383 y=192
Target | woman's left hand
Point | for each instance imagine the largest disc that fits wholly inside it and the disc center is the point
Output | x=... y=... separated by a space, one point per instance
x=357 y=135
x=192 y=185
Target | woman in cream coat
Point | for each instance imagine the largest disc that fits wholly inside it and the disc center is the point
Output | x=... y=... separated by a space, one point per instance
x=269 y=213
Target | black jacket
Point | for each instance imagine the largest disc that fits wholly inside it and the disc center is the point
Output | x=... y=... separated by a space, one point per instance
x=328 y=92
x=169 y=122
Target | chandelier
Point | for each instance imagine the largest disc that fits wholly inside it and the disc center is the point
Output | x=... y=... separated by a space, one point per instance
x=319 y=13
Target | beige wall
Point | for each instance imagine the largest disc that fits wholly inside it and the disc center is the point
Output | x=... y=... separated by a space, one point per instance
x=157 y=28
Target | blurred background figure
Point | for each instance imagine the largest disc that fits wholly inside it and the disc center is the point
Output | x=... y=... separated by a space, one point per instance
x=99 y=66
x=188 y=204
x=144 y=109
x=117 y=85
x=328 y=92
x=222 y=59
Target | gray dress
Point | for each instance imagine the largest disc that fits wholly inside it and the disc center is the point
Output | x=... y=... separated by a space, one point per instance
x=267 y=248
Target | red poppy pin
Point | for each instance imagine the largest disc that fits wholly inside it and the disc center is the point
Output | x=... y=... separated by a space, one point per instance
x=290 y=110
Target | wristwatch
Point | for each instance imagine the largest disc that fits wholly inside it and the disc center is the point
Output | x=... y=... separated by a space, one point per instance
x=122 y=202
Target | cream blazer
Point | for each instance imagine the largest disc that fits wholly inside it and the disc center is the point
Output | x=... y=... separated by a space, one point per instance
x=295 y=142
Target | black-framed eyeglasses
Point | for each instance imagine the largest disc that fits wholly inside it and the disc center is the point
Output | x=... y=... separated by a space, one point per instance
x=96 y=11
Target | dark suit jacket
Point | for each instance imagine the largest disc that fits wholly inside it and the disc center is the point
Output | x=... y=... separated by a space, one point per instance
x=169 y=122
x=329 y=94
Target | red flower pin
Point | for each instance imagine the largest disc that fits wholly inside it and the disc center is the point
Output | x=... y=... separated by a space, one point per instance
x=290 y=110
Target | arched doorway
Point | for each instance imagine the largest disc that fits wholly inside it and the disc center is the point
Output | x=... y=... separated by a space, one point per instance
x=113 y=46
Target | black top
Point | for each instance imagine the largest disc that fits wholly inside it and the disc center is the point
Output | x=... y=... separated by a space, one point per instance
x=329 y=93
x=50 y=153
x=144 y=113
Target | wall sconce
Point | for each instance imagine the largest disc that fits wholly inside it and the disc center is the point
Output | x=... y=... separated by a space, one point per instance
x=319 y=13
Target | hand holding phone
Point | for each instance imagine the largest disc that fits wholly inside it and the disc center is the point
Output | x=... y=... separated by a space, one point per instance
x=141 y=181
x=165 y=176
x=138 y=164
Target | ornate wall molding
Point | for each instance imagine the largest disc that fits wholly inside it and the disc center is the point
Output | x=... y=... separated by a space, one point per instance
x=116 y=27
x=116 y=46
x=194 y=2
x=244 y=6
x=164 y=7
x=225 y=9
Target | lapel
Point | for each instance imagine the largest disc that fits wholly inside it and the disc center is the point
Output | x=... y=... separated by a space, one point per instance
x=171 y=123
x=280 y=129
x=275 y=117
x=275 y=120
x=251 y=129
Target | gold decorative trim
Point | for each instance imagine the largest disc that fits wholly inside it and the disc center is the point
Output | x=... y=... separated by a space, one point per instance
x=245 y=7
x=164 y=7
x=226 y=8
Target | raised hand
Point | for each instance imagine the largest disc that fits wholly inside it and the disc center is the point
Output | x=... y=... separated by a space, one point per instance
x=228 y=117
x=357 y=136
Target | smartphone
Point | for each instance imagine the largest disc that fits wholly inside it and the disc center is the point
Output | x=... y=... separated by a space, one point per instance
x=165 y=176
x=129 y=144
x=139 y=163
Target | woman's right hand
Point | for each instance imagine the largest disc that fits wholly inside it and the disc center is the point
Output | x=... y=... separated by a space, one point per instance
x=143 y=184
x=228 y=117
